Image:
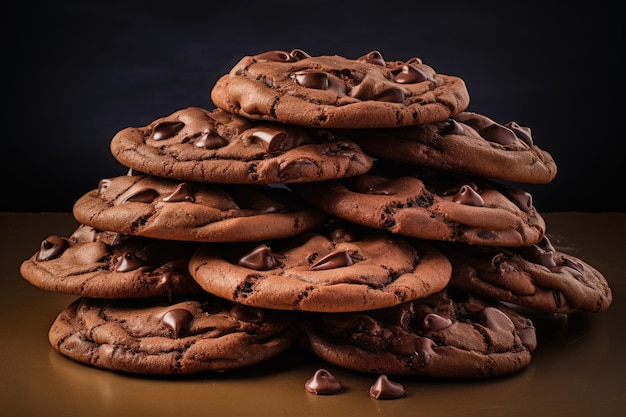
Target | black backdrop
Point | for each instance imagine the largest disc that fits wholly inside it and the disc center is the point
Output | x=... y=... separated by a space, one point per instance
x=76 y=72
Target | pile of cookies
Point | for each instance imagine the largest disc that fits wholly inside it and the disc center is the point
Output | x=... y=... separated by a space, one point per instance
x=353 y=207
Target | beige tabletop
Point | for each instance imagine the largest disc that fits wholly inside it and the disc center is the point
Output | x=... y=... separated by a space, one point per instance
x=578 y=368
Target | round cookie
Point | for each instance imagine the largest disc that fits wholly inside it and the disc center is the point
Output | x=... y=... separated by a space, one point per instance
x=431 y=204
x=143 y=336
x=163 y=208
x=194 y=144
x=338 y=92
x=98 y=264
x=537 y=277
x=469 y=143
x=333 y=270
x=444 y=335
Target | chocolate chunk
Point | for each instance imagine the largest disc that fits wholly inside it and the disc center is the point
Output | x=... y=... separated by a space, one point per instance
x=374 y=58
x=260 y=258
x=498 y=134
x=275 y=56
x=272 y=139
x=384 y=389
x=166 y=130
x=522 y=132
x=247 y=313
x=523 y=199
x=452 y=128
x=145 y=195
x=210 y=140
x=51 y=248
x=181 y=193
x=311 y=79
x=467 y=195
x=336 y=259
x=434 y=322
x=410 y=75
x=323 y=383
x=127 y=262
x=176 y=319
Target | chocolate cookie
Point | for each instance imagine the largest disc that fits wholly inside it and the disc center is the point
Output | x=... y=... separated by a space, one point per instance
x=198 y=145
x=145 y=337
x=334 y=270
x=431 y=204
x=443 y=335
x=163 y=208
x=338 y=92
x=538 y=277
x=469 y=143
x=99 y=264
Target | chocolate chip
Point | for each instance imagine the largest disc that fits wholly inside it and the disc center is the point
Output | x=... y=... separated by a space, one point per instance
x=166 y=130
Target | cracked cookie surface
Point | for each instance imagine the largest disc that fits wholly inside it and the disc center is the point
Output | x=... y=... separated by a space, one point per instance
x=431 y=204
x=98 y=264
x=162 y=208
x=537 y=277
x=339 y=92
x=195 y=144
x=468 y=143
x=143 y=336
x=332 y=270
x=443 y=335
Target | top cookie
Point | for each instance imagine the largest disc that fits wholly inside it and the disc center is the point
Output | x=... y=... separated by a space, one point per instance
x=337 y=92
x=194 y=144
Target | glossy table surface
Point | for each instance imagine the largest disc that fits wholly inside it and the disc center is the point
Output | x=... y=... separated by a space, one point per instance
x=578 y=368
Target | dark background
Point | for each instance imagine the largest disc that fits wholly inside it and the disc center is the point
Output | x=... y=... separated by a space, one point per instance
x=76 y=72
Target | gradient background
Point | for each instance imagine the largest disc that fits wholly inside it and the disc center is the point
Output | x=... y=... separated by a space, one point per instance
x=77 y=72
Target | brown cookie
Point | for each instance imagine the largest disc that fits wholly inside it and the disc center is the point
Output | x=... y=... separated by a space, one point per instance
x=537 y=277
x=431 y=204
x=98 y=264
x=194 y=144
x=469 y=143
x=143 y=336
x=162 y=208
x=338 y=92
x=443 y=335
x=331 y=270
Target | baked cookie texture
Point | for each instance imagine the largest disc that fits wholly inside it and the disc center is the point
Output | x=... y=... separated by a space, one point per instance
x=444 y=335
x=92 y=263
x=340 y=270
x=339 y=92
x=355 y=208
x=162 y=208
x=537 y=277
x=431 y=205
x=195 y=144
x=468 y=143
x=169 y=338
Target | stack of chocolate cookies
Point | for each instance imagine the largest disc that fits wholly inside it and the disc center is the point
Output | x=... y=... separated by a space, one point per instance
x=354 y=207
